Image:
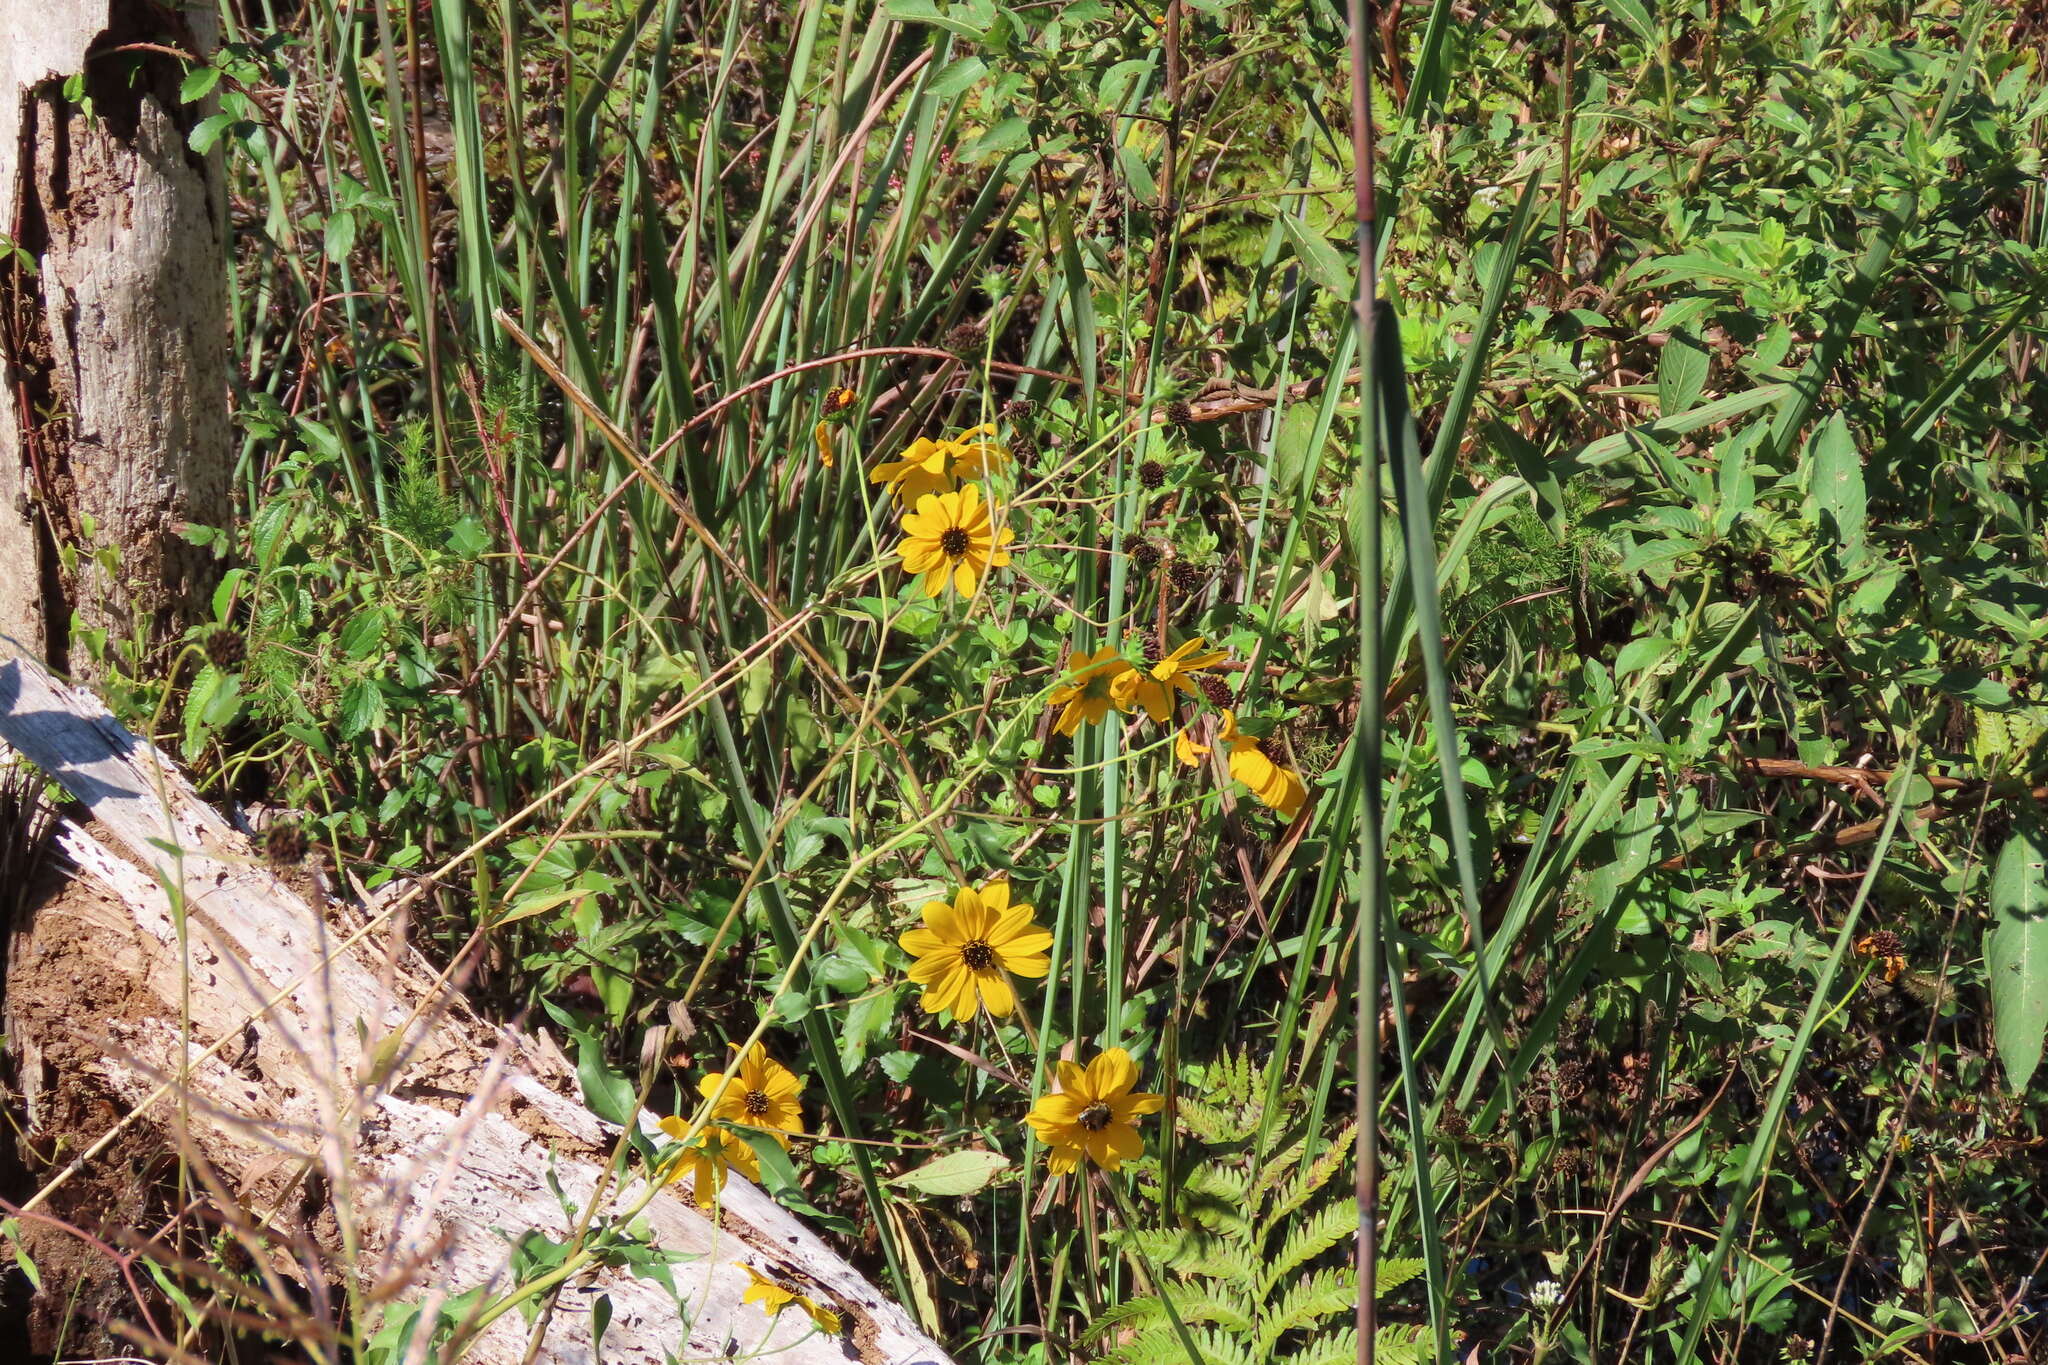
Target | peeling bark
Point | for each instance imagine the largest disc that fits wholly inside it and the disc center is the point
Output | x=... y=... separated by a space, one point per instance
x=114 y=424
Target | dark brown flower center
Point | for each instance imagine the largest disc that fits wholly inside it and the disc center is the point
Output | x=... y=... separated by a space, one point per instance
x=978 y=956
x=1271 y=748
x=755 y=1102
x=953 y=541
x=1095 y=1117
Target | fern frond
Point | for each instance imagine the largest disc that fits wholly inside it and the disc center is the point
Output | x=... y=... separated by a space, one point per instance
x=1194 y=1303
x=1159 y=1344
x=1310 y=1181
x=1391 y=1272
x=1309 y=1238
x=1193 y=1251
x=1323 y=1295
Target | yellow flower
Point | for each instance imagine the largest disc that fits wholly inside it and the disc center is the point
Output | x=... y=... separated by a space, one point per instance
x=1094 y=1113
x=774 y=1296
x=929 y=466
x=1153 y=688
x=824 y=436
x=967 y=949
x=1089 y=691
x=762 y=1095
x=950 y=537
x=1273 y=783
x=708 y=1155
x=1254 y=763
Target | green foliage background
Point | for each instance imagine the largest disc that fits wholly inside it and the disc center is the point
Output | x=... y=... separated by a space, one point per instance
x=1721 y=329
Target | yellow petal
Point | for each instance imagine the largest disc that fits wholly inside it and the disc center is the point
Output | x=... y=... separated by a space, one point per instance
x=1112 y=1073
x=996 y=995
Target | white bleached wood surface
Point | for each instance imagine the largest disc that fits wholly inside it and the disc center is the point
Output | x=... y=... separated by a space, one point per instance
x=461 y=1145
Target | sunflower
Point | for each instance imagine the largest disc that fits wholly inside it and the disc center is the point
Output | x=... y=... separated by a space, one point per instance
x=1254 y=762
x=761 y=1095
x=774 y=1296
x=950 y=537
x=707 y=1156
x=929 y=466
x=969 y=949
x=1153 y=687
x=1089 y=691
x=1094 y=1113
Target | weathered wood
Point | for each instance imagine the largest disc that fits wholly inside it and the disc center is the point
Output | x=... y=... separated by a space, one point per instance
x=457 y=1147
x=114 y=424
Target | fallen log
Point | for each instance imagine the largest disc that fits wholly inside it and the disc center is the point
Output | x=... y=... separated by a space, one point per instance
x=290 y=1050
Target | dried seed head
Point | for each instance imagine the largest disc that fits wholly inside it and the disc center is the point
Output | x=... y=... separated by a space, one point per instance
x=1146 y=554
x=1019 y=410
x=224 y=648
x=1882 y=944
x=284 y=844
x=1214 y=688
x=1179 y=413
x=1151 y=473
x=966 y=340
x=1186 y=577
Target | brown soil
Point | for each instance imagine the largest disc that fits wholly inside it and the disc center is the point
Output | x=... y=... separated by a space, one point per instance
x=57 y=976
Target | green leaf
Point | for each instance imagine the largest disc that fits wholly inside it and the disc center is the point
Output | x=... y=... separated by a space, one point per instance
x=608 y=1095
x=2016 y=951
x=1318 y=257
x=1681 y=373
x=198 y=84
x=1836 y=486
x=954 y=1174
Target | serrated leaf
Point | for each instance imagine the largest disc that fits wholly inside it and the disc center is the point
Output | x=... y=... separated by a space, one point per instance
x=2016 y=951
x=955 y=1174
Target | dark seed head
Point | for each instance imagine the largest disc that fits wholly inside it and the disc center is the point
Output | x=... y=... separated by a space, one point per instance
x=1882 y=944
x=953 y=541
x=1151 y=473
x=1146 y=555
x=966 y=340
x=1096 y=1117
x=1179 y=413
x=755 y=1102
x=1186 y=577
x=839 y=400
x=224 y=648
x=284 y=844
x=1273 y=749
x=978 y=956
x=1214 y=688
x=1019 y=410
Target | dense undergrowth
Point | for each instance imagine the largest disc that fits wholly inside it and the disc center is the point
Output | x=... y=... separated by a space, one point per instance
x=568 y=342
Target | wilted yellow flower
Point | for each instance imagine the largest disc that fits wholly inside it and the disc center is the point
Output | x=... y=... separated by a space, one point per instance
x=824 y=436
x=1153 y=687
x=1256 y=763
x=1089 y=691
x=1094 y=1113
x=763 y=1094
x=708 y=1155
x=774 y=1296
x=968 y=950
x=950 y=537
x=929 y=466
